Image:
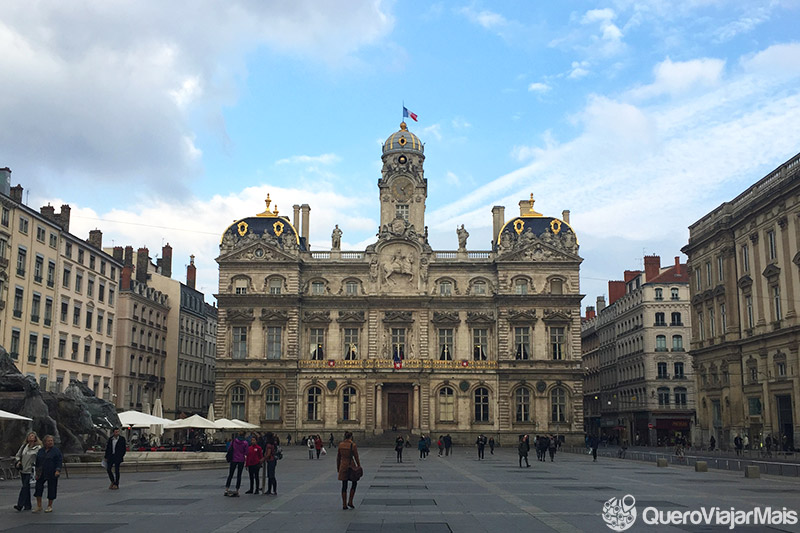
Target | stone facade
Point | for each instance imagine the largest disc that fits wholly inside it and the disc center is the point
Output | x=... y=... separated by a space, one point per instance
x=745 y=279
x=399 y=335
x=639 y=384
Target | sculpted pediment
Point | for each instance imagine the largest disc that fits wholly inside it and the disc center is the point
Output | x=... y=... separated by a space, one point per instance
x=397 y=317
x=241 y=315
x=558 y=315
x=255 y=248
x=270 y=315
x=772 y=271
x=534 y=248
x=317 y=317
x=446 y=318
x=475 y=317
x=351 y=317
x=525 y=315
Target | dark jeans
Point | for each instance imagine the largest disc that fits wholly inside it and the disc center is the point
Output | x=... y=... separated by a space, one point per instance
x=238 y=468
x=594 y=454
x=521 y=457
x=24 y=499
x=318 y=452
x=446 y=451
x=480 y=452
x=52 y=486
x=114 y=477
x=272 y=482
x=253 y=470
x=399 y=455
x=552 y=454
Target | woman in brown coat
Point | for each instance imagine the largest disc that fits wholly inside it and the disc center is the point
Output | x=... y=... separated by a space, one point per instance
x=348 y=454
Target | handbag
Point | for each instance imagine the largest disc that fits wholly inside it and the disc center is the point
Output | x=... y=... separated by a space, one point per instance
x=229 y=453
x=354 y=473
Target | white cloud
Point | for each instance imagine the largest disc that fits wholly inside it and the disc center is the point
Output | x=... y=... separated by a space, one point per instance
x=578 y=70
x=451 y=178
x=461 y=123
x=538 y=87
x=434 y=130
x=102 y=93
x=485 y=18
x=324 y=159
x=609 y=42
x=604 y=15
x=676 y=77
x=780 y=60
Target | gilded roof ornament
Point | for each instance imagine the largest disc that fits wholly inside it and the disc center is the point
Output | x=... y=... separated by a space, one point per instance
x=531 y=212
x=268 y=212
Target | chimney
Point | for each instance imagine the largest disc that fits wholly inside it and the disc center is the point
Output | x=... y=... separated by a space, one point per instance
x=296 y=219
x=652 y=266
x=191 y=273
x=118 y=253
x=565 y=215
x=96 y=238
x=525 y=207
x=142 y=261
x=601 y=303
x=16 y=193
x=590 y=312
x=306 y=210
x=48 y=212
x=498 y=219
x=125 y=278
x=63 y=217
x=5 y=181
x=616 y=290
x=128 y=256
x=630 y=275
x=166 y=260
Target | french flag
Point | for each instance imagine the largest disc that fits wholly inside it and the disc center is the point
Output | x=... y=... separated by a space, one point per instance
x=407 y=113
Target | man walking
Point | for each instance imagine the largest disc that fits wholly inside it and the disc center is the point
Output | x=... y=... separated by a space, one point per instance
x=115 y=452
x=481 y=446
x=448 y=443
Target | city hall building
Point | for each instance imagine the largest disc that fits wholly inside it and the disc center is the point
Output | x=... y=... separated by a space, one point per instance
x=399 y=335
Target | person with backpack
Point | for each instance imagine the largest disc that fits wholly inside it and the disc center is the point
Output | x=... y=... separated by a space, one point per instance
x=421 y=445
x=271 y=460
x=552 y=446
x=440 y=444
x=237 y=453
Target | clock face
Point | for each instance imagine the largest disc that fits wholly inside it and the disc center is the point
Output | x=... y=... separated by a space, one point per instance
x=402 y=189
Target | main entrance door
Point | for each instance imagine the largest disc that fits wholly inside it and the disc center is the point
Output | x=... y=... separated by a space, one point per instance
x=398 y=409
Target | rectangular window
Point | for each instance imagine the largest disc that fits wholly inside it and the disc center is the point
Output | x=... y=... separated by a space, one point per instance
x=680 y=396
x=754 y=406
x=65 y=277
x=350 y=344
x=445 y=288
x=36 y=307
x=712 y=326
x=92 y=261
x=98 y=352
x=33 y=347
x=776 y=299
x=720 y=269
x=662 y=370
x=89 y=318
x=23 y=225
x=780 y=369
x=53 y=240
x=663 y=397
x=771 y=247
x=398 y=344
x=51 y=274
x=87 y=351
x=78 y=281
x=22 y=260
x=75 y=348
x=68 y=249
x=76 y=315
x=401 y=211
x=317 y=288
x=38 y=268
x=675 y=294
x=62 y=347
x=557 y=343
x=316 y=341
x=701 y=326
x=351 y=288
x=15 y=344
x=480 y=343
x=48 y=311
x=709 y=280
x=19 y=297
x=275 y=285
x=111 y=296
x=745 y=258
x=748 y=300
x=90 y=287
x=723 y=318
x=109 y=325
x=521 y=286
x=678 y=369
x=274 y=342
x=101 y=292
x=103 y=267
x=64 y=311
x=698 y=281
x=40 y=233
x=445 y=344
x=4 y=217
x=522 y=342
x=80 y=256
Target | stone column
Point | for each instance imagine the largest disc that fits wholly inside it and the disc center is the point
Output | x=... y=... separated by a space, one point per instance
x=787 y=262
x=416 y=406
x=379 y=406
x=758 y=292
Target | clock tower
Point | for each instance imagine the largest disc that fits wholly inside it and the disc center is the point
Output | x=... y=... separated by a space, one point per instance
x=402 y=186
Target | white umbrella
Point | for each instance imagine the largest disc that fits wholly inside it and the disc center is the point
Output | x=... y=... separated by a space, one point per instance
x=157 y=430
x=140 y=420
x=210 y=417
x=194 y=421
x=5 y=415
x=224 y=423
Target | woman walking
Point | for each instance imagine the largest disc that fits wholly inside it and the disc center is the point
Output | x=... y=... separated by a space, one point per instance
x=398 y=447
x=347 y=455
x=48 y=467
x=271 y=459
x=26 y=459
x=524 y=447
x=253 y=464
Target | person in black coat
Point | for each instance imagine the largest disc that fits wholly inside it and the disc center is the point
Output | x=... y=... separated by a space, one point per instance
x=115 y=453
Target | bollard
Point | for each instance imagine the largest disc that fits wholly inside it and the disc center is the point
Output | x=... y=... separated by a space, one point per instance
x=701 y=466
x=661 y=462
x=752 y=471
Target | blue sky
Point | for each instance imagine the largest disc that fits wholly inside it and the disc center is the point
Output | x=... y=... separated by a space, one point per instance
x=164 y=123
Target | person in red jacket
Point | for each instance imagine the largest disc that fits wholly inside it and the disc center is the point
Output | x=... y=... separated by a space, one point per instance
x=253 y=463
x=318 y=444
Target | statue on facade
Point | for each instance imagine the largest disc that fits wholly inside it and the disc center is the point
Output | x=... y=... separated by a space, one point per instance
x=462 y=238
x=336 y=238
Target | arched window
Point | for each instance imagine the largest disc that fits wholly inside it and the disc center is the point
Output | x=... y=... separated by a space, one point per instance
x=556 y=286
x=523 y=401
x=663 y=396
x=558 y=405
x=313 y=403
x=676 y=319
x=674 y=293
x=445 y=288
x=660 y=320
x=661 y=343
x=677 y=343
x=659 y=294
x=447 y=405
x=349 y=403
x=680 y=396
x=272 y=408
x=238 y=395
x=481 y=404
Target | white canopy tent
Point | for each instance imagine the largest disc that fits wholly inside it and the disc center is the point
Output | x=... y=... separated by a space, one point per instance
x=194 y=421
x=243 y=424
x=5 y=415
x=141 y=420
x=157 y=430
x=225 y=423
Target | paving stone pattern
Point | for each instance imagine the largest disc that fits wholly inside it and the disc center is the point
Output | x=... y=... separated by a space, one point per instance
x=447 y=494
